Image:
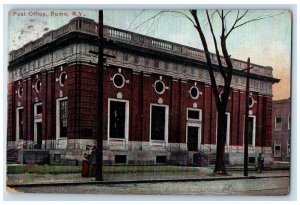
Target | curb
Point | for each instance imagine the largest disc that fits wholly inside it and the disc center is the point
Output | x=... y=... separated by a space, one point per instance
x=142 y=181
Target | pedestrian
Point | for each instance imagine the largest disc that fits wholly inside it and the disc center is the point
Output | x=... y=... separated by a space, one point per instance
x=260 y=163
x=93 y=162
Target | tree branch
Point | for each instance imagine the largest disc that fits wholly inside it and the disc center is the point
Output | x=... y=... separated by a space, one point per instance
x=136 y=18
x=208 y=58
x=216 y=46
x=235 y=25
x=172 y=11
x=238 y=18
x=228 y=12
x=154 y=21
x=257 y=19
x=153 y=17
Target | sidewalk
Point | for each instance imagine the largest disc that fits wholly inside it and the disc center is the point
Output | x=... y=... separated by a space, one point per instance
x=191 y=174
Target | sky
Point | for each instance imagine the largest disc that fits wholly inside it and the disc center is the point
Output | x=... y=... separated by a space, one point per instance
x=267 y=42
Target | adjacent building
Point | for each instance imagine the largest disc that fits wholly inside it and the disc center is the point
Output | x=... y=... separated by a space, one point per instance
x=282 y=129
x=158 y=102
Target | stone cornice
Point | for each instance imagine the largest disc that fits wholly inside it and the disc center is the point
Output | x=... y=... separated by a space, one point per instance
x=85 y=30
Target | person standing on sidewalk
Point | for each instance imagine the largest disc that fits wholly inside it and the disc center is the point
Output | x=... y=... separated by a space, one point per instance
x=260 y=163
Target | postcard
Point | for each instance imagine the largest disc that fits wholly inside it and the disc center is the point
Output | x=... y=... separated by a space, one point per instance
x=149 y=102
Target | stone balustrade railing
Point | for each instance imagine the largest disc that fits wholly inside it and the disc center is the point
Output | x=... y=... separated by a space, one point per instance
x=89 y=26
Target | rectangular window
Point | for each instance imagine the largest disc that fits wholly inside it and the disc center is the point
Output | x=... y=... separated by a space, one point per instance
x=38 y=125
x=125 y=57
x=277 y=150
x=289 y=123
x=166 y=65
x=63 y=118
x=161 y=159
x=20 y=123
x=193 y=115
x=117 y=120
x=278 y=123
x=156 y=63
x=136 y=59
x=250 y=130
x=146 y=61
x=158 y=122
x=120 y=159
x=38 y=109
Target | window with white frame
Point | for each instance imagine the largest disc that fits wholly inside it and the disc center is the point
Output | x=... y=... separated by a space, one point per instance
x=38 y=109
x=20 y=91
x=250 y=101
x=38 y=125
x=159 y=87
x=61 y=117
x=251 y=131
x=62 y=78
x=159 y=122
x=193 y=114
x=117 y=119
x=277 y=150
x=20 y=122
x=38 y=86
x=194 y=92
x=118 y=80
x=278 y=123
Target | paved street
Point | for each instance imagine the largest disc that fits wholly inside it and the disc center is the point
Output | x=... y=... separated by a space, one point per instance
x=262 y=186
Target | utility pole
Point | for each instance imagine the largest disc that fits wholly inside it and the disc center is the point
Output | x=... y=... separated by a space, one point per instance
x=99 y=123
x=246 y=121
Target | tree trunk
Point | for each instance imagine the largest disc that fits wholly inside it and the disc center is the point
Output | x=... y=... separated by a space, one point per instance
x=221 y=140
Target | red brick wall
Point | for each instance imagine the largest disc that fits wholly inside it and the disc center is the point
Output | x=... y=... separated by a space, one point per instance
x=268 y=139
x=11 y=112
x=81 y=90
x=242 y=118
x=234 y=131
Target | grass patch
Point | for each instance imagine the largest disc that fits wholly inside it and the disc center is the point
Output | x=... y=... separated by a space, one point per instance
x=46 y=169
x=38 y=169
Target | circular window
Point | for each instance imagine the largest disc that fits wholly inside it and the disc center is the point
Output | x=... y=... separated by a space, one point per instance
x=221 y=95
x=159 y=87
x=194 y=92
x=38 y=85
x=119 y=80
x=250 y=101
x=62 y=78
x=20 y=91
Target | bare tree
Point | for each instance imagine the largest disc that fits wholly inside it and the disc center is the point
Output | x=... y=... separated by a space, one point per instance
x=237 y=19
x=221 y=100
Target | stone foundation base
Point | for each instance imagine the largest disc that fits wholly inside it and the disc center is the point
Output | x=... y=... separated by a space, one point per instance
x=71 y=152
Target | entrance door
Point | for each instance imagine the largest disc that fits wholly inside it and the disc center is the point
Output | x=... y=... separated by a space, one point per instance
x=39 y=134
x=193 y=134
x=117 y=120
